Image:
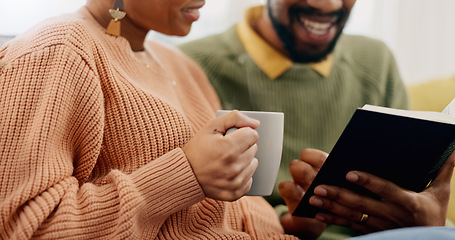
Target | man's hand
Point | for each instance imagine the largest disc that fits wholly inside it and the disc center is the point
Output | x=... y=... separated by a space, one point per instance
x=303 y=172
x=396 y=208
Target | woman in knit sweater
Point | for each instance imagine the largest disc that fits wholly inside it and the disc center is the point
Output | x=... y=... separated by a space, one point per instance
x=104 y=136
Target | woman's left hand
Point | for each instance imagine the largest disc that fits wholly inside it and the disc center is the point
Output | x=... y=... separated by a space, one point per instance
x=397 y=207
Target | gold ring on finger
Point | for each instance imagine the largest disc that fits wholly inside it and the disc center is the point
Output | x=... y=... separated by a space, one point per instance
x=364 y=218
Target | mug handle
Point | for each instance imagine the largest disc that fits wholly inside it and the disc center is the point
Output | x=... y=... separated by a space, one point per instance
x=230 y=130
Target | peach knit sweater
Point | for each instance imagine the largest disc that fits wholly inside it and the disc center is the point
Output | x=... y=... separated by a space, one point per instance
x=87 y=153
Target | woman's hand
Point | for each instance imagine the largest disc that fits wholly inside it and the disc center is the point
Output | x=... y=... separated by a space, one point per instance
x=224 y=164
x=303 y=172
x=396 y=208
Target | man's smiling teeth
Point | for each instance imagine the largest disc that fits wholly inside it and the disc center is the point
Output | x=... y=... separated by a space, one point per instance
x=316 y=28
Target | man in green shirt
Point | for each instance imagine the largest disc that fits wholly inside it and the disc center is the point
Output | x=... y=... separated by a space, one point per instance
x=251 y=68
x=291 y=56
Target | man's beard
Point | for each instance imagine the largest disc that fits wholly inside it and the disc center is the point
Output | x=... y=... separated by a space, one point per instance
x=288 y=38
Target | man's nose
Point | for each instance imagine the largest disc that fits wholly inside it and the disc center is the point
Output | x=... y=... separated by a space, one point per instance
x=326 y=5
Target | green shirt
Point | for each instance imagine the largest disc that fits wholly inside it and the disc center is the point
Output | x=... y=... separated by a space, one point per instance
x=316 y=108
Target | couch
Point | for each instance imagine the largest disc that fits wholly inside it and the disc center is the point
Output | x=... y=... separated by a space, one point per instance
x=434 y=95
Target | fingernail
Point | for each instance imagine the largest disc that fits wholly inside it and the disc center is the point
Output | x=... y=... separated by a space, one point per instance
x=321 y=192
x=316 y=202
x=352 y=177
x=319 y=218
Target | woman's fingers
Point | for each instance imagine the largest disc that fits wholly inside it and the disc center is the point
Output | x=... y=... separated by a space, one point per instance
x=224 y=164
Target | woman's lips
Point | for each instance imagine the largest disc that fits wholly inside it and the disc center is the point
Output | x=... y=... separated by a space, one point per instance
x=192 y=14
x=192 y=11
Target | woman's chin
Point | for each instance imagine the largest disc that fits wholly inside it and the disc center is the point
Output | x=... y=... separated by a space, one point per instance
x=182 y=32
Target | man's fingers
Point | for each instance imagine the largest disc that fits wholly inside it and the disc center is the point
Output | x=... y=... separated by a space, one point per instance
x=291 y=193
x=304 y=228
x=384 y=189
x=370 y=225
x=302 y=173
x=313 y=157
x=444 y=177
x=351 y=205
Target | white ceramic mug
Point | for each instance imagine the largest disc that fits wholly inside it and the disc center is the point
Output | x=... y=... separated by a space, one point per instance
x=270 y=146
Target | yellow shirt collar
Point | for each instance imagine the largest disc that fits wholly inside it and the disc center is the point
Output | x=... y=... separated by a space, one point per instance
x=272 y=62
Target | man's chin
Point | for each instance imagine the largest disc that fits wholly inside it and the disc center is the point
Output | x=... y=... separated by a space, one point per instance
x=306 y=58
x=312 y=55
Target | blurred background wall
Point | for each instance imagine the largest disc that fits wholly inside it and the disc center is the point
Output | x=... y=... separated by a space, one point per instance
x=421 y=33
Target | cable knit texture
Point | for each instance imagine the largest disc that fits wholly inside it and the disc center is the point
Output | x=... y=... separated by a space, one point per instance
x=88 y=153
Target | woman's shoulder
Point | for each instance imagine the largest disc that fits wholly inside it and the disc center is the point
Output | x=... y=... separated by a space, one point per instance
x=73 y=31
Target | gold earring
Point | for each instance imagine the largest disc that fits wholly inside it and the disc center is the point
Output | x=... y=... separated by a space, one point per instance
x=117 y=14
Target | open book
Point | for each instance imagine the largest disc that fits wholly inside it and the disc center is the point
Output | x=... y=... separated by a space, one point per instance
x=405 y=147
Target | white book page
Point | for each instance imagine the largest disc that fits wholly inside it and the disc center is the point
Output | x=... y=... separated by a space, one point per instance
x=450 y=109
x=425 y=115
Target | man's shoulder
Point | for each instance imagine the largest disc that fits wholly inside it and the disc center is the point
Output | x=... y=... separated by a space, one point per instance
x=360 y=43
x=362 y=50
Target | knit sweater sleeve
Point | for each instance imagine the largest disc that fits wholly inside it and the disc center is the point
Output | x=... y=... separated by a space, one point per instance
x=51 y=135
x=259 y=219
